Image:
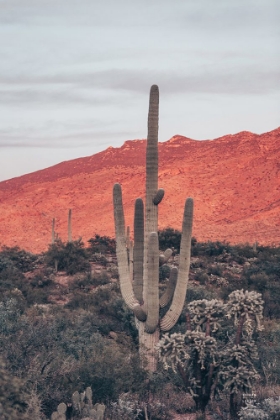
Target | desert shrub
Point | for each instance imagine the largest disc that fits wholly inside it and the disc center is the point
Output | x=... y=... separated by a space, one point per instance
x=22 y=260
x=88 y=280
x=11 y=277
x=119 y=310
x=12 y=395
x=271 y=300
x=269 y=409
x=210 y=248
x=82 y=300
x=36 y=295
x=42 y=278
x=169 y=238
x=61 y=351
x=215 y=269
x=127 y=407
x=102 y=244
x=258 y=282
x=164 y=272
x=198 y=293
x=98 y=300
x=70 y=256
x=201 y=276
x=242 y=252
x=269 y=351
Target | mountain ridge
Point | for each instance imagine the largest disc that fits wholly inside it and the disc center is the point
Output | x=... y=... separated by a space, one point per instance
x=234 y=180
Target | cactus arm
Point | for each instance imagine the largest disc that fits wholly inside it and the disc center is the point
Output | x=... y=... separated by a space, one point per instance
x=138 y=250
x=158 y=197
x=168 y=294
x=163 y=258
x=171 y=317
x=123 y=268
x=153 y=275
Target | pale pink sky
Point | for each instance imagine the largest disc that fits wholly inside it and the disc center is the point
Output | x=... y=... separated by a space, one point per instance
x=75 y=75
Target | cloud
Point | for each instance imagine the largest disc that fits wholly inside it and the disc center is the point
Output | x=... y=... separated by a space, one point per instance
x=100 y=86
x=77 y=140
x=23 y=93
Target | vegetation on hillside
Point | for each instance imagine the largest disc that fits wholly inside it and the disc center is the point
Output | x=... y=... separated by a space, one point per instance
x=64 y=327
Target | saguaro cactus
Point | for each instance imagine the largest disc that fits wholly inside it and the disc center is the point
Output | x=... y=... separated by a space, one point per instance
x=70 y=225
x=53 y=231
x=139 y=284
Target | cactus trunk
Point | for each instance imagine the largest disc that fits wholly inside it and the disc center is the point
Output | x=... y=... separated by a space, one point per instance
x=139 y=284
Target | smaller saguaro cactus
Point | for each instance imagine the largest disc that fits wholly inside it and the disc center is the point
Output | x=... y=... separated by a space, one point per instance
x=70 y=225
x=53 y=230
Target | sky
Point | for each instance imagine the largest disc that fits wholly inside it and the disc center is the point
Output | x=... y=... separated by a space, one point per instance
x=75 y=75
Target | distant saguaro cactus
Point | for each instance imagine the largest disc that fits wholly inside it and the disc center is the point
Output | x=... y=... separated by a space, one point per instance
x=53 y=231
x=70 y=225
x=139 y=276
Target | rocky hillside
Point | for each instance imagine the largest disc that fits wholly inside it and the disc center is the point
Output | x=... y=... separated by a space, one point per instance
x=234 y=181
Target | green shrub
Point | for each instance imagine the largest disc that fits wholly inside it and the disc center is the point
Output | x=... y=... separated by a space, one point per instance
x=169 y=238
x=22 y=260
x=70 y=256
x=102 y=244
x=12 y=396
x=202 y=277
x=269 y=409
x=164 y=272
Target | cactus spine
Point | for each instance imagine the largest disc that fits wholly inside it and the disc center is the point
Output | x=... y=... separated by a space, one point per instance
x=142 y=293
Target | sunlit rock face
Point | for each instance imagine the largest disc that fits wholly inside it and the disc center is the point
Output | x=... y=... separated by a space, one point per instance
x=234 y=180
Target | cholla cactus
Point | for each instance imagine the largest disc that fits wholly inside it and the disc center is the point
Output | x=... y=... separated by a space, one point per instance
x=172 y=351
x=237 y=371
x=139 y=281
x=194 y=354
x=247 y=309
x=202 y=361
x=205 y=314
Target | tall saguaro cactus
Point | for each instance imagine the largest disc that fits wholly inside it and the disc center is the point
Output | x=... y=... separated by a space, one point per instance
x=139 y=284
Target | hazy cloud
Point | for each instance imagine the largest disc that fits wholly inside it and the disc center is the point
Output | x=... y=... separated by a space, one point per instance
x=81 y=87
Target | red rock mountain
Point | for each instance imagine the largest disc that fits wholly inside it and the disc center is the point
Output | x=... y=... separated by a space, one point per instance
x=234 y=180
